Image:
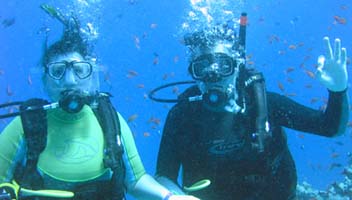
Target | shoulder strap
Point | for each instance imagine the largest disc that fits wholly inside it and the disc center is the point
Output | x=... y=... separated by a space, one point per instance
x=34 y=124
x=110 y=123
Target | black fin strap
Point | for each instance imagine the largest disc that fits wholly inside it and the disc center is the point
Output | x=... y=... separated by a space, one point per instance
x=34 y=124
x=110 y=124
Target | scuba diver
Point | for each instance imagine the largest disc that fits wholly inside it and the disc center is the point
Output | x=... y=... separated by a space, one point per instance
x=78 y=147
x=227 y=129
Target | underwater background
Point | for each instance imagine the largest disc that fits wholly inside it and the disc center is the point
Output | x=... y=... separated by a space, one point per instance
x=139 y=47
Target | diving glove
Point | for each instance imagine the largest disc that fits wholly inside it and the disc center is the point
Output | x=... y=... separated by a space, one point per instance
x=332 y=67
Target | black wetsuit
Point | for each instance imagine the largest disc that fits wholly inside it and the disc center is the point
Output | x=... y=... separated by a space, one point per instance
x=217 y=146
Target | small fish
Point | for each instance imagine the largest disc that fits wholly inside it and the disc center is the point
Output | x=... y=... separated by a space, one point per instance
x=8 y=22
x=165 y=76
x=154 y=120
x=146 y=134
x=132 y=118
x=250 y=62
x=307 y=57
x=29 y=80
x=280 y=86
x=310 y=73
x=140 y=85
x=340 y=20
x=301 y=135
x=335 y=155
x=175 y=90
x=137 y=42
x=343 y=7
x=156 y=59
x=9 y=92
x=308 y=86
x=281 y=52
x=335 y=165
x=300 y=44
x=176 y=59
x=289 y=80
x=153 y=25
x=289 y=69
x=314 y=100
x=131 y=73
x=292 y=46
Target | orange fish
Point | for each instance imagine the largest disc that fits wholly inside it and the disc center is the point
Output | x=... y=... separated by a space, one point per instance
x=156 y=60
x=250 y=62
x=281 y=86
x=165 y=76
x=290 y=69
x=131 y=73
x=132 y=118
x=146 y=134
x=335 y=155
x=175 y=90
x=292 y=46
x=154 y=120
x=340 y=20
x=290 y=80
x=310 y=73
x=301 y=136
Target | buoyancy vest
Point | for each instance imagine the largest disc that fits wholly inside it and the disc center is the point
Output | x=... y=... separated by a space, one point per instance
x=35 y=132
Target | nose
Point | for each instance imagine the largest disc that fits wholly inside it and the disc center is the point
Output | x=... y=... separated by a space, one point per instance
x=69 y=77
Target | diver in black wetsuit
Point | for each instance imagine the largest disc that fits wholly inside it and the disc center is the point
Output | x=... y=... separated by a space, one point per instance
x=233 y=132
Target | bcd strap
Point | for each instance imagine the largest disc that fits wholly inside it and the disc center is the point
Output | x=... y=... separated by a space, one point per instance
x=110 y=124
x=35 y=132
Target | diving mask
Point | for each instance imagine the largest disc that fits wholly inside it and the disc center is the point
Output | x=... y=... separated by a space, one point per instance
x=56 y=70
x=212 y=67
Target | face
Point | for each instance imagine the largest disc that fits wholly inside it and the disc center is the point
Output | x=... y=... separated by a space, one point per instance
x=215 y=68
x=216 y=71
x=70 y=72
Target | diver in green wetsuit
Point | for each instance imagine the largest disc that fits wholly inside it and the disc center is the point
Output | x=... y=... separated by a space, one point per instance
x=77 y=155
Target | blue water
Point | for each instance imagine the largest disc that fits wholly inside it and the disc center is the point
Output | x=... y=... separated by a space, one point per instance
x=143 y=36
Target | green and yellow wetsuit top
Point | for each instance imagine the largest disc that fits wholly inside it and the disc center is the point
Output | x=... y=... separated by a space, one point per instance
x=74 y=151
